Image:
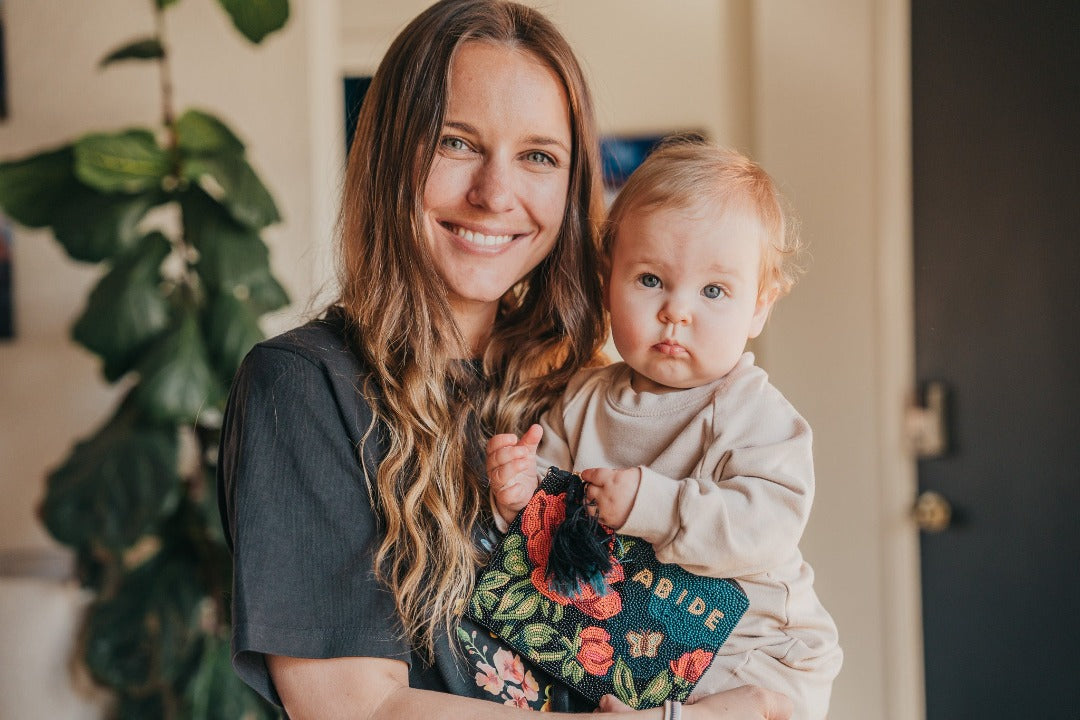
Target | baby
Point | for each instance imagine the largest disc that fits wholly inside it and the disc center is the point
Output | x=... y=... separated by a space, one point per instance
x=685 y=443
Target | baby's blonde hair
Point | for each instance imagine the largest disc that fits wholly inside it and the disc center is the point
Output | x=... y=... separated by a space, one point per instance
x=686 y=171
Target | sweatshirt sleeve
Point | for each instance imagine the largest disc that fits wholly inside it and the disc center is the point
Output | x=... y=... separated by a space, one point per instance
x=746 y=514
x=554 y=444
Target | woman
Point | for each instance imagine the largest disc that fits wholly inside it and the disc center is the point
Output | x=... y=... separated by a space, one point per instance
x=352 y=476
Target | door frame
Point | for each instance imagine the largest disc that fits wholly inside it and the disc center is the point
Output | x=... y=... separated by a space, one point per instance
x=898 y=477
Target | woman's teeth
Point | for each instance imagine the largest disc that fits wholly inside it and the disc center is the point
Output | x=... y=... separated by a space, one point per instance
x=479 y=239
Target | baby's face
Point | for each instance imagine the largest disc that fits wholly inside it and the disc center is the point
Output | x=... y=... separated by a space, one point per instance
x=683 y=294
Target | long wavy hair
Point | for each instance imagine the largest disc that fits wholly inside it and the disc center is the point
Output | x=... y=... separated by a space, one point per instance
x=436 y=411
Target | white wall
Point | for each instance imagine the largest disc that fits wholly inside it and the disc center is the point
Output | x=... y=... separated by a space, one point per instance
x=51 y=389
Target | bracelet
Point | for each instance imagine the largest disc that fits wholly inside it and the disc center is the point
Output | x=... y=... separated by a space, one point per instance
x=672 y=710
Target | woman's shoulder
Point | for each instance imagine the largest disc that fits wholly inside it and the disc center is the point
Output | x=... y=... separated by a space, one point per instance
x=313 y=360
x=322 y=341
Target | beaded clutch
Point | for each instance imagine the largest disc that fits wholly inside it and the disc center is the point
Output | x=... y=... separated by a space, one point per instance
x=647 y=635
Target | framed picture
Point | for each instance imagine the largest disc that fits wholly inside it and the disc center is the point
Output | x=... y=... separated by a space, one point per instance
x=621 y=154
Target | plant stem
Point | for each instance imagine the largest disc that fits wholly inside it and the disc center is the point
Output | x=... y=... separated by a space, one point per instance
x=168 y=116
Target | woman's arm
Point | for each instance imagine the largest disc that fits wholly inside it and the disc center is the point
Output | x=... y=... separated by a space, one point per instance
x=358 y=688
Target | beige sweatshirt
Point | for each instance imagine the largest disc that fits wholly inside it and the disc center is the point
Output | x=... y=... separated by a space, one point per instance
x=726 y=488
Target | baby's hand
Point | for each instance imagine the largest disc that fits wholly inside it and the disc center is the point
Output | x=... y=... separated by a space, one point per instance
x=511 y=470
x=612 y=492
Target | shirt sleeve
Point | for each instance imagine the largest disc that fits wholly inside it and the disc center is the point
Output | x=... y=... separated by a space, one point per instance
x=749 y=514
x=299 y=519
x=554 y=446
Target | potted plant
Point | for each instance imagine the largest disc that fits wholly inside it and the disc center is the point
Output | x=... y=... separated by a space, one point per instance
x=174 y=214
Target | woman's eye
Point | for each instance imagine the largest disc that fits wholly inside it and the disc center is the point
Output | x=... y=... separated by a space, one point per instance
x=453 y=143
x=649 y=280
x=713 y=291
x=540 y=157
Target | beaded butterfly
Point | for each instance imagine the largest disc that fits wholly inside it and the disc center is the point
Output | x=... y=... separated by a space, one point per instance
x=644 y=643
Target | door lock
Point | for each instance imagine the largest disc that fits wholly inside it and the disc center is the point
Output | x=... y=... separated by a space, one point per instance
x=926 y=425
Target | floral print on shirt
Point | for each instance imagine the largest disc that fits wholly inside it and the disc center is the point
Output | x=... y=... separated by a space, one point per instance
x=502 y=674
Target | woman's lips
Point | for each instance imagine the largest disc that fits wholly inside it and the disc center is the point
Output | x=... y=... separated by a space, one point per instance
x=480 y=239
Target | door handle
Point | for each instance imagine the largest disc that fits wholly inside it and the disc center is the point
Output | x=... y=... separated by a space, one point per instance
x=932 y=512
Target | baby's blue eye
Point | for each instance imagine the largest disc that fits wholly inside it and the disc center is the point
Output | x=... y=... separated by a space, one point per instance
x=712 y=291
x=650 y=281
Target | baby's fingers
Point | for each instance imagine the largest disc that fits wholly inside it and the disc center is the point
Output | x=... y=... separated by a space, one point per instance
x=501 y=441
x=531 y=438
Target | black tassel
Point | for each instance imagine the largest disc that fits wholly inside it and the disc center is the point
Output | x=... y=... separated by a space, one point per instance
x=580 y=547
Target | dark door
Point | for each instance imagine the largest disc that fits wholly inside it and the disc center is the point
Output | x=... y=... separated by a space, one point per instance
x=996 y=117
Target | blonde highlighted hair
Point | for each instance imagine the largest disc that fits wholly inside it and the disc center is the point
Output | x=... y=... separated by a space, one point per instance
x=686 y=171
x=435 y=409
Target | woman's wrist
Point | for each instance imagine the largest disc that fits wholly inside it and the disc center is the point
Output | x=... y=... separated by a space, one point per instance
x=672 y=710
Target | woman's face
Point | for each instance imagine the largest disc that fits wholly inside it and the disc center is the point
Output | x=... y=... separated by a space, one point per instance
x=496 y=194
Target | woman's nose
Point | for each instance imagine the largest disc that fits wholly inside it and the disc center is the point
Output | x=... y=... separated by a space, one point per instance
x=491 y=186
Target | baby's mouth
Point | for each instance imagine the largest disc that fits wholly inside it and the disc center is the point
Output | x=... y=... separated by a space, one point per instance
x=670 y=347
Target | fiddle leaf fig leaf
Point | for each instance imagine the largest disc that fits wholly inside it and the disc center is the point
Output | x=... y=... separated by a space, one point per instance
x=126 y=310
x=130 y=161
x=233 y=260
x=256 y=19
x=232 y=329
x=32 y=188
x=217 y=692
x=142 y=49
x=149 y=629
x=115 y=486
x=198 y=133
x=177 y=379
x=94 y=226
x=229 y=179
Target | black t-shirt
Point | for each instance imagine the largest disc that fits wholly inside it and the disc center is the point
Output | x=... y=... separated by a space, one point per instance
x=302 y=529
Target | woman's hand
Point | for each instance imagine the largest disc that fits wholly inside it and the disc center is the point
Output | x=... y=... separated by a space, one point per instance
x=744 y=703
x=511 y=470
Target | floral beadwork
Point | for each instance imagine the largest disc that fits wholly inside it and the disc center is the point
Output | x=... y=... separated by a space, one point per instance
x=648 y=637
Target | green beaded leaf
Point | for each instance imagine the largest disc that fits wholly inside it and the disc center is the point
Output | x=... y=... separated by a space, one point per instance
x=142 y=49
x=32 y=188
x=256 y=19
x=514 y=562
x=178 y=381
x=537 y=634
x=623 y=679
x=115 y=486
x=126 y=310
x=491 y=580
x=130 y=161
x=657 y=690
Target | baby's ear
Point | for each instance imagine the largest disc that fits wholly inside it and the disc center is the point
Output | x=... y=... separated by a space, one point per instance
x=767 y=297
